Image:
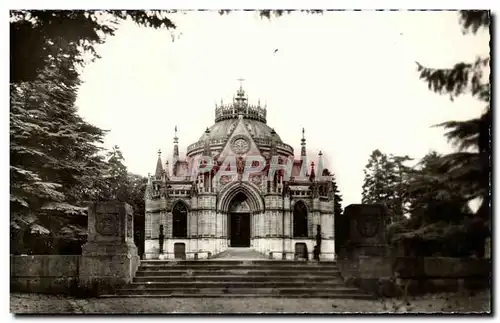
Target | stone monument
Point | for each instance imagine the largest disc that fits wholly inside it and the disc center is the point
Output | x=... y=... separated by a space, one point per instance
x=364 y=258
x=367 y=228
x=109 y=258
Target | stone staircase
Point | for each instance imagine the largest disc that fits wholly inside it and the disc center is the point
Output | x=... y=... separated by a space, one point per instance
x=238 y=278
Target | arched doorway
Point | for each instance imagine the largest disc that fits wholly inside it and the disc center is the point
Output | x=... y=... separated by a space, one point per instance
x=300 y=224
x=239 y=221
x=179 y=220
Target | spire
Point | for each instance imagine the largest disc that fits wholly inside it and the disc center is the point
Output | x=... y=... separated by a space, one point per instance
x=241 y=82
x=313 y=175
x=240 y=94
x=167 y=172
x=149 y=189
x=320 y=164
x=159 y=167
x=303 y=143
x=240 y=106
x=273 y=150
x=176 y=139
x=176 y=146
x=206 y=149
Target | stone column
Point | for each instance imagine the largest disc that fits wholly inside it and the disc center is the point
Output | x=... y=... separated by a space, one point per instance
x=109 y=258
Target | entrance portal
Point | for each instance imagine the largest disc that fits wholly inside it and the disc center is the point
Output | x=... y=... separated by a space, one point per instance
x=240 y=230
x=239 y=221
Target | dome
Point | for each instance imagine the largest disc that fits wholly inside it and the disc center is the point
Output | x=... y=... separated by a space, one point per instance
x=222 y=129
x=228 y=116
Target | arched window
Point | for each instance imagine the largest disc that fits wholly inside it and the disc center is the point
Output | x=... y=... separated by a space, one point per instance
x=179 y=219
x=300 y=220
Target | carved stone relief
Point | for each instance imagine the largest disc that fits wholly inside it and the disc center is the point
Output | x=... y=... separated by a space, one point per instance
x=368 y=225
x=107 y=224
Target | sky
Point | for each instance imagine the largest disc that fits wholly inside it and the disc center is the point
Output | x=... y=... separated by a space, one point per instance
x=348 y=78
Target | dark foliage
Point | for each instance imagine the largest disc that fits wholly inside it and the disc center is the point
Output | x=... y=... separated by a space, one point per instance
x=42 y=37
x=56 y=159
x=469 y=169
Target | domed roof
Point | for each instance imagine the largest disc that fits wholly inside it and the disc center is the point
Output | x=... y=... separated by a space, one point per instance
x=223 y=128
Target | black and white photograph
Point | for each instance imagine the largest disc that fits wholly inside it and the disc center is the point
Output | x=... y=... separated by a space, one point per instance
x=257 y=161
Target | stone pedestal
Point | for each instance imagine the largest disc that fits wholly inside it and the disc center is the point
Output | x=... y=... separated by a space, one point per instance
x=109 y=258
x=365 y=258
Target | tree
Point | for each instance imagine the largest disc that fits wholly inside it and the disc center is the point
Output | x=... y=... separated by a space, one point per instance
x=375 y=183
x=55 y=159
x=339 y=233
x=136 y=188
x=39 y=38
x=337 y=208
x=401 y=171
x=433 y=197
x=386 y=183
x=470 y=167
x=115 y=176
x=440 y=218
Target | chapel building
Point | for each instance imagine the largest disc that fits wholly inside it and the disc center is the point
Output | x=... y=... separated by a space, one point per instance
x=203 y=206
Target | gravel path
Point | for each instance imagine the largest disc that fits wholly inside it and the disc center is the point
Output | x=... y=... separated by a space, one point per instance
x=38 y=303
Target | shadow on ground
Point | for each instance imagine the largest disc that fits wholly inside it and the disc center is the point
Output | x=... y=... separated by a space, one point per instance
x=436 y=303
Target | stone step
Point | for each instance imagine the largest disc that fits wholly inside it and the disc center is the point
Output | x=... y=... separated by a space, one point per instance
x=231 y=284
x=239 y=278
x=330 y=295
x=239 y=291
x=229 y=272
x=237 y=262
x=233 y=278
x=240 y=267
x=240 y=253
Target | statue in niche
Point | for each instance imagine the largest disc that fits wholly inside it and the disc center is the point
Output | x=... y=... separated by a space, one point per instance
x=286 y=188
x=161 y=238
x=240 y=166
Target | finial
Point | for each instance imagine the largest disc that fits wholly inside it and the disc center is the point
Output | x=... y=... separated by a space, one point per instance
x=241 y=82
x=303 y=133
x=159 y=152
x=320 y=153
x=207 y=131
x=176 y=139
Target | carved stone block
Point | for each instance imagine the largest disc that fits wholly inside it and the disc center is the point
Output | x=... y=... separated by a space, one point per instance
x=109 y=258
x=366 y=224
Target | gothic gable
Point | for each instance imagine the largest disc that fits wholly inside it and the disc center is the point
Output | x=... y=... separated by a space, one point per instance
x=240 y=143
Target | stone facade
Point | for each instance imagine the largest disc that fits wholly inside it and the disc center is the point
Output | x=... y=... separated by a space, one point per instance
x=247 y=190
